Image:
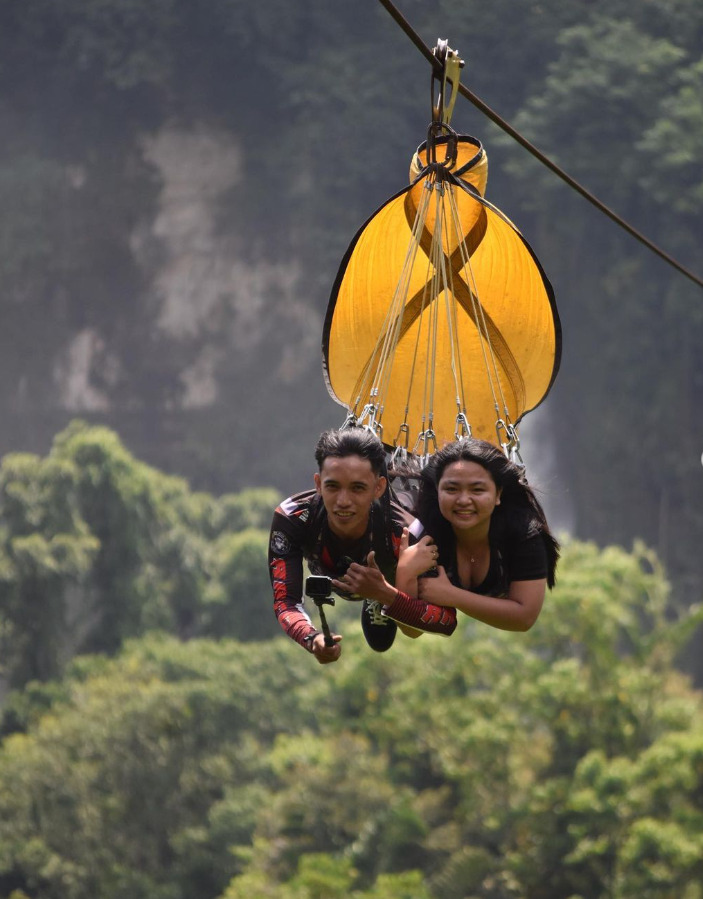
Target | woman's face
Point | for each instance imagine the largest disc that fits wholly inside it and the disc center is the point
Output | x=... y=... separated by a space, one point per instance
x=467 y=496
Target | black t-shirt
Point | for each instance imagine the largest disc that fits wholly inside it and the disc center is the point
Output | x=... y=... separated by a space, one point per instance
x=518 y=553
x=519 y=560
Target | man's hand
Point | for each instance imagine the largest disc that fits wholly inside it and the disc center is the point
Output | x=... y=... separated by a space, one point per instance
x=366 y=582
x=326 y=654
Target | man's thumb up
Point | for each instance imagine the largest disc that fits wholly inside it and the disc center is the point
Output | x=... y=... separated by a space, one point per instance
x=405 y=539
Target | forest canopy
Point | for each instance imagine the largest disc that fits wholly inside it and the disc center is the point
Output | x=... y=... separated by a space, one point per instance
x=96 y=547
x=160 y=737
x=563 y=762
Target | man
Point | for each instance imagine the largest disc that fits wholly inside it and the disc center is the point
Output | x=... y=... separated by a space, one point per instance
x=349 y=529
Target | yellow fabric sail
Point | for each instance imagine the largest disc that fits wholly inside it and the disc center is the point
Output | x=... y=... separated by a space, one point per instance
x=441 y=320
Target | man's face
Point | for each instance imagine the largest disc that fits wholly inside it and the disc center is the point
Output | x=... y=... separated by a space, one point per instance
x=348 y=487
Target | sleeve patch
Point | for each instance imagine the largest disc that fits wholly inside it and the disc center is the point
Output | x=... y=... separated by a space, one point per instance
x=280 y=544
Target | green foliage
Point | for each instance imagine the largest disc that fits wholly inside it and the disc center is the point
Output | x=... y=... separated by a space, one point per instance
x=567 y=761
x=46 y=553
x=127 y=774
x=234 y=604
x=618 y=109
x=96 y=547
x=324 y=877
x=250 y=508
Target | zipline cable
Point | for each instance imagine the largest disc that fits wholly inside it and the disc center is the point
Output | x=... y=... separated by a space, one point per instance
x=505 y=126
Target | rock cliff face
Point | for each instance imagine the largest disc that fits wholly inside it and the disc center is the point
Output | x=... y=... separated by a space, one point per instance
x=204 y=291
x=206 y=282
x=205 y=335
x=157 y=274
x=211 y=368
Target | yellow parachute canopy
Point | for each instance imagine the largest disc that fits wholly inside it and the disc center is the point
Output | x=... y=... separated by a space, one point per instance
x=441 y=321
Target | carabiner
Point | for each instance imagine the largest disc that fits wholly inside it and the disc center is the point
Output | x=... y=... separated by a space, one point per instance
x=462 y=427
x=443 y=105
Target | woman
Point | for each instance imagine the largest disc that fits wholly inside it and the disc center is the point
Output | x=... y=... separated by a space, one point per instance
x=496 y=554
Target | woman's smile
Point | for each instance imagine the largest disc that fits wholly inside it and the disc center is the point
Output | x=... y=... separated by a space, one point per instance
x=467 y=495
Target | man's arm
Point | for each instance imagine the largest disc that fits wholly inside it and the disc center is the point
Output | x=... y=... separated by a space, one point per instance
x=421 y=615
x=286 y=572
x=368 y=581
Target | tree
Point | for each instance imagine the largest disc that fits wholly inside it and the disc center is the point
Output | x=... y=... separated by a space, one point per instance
x=142 y=776
x=96 y=547
x=233 y=604
x=483 y=737
x=561 y=762
x=615 y=99
x=46 y=554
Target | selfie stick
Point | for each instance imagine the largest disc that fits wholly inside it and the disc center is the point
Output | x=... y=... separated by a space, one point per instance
x=320 y=602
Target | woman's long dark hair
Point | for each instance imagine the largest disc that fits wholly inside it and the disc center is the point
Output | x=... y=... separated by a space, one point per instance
x=519 y=508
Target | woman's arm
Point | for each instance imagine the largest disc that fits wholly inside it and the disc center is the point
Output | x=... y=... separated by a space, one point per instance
x=517 y=611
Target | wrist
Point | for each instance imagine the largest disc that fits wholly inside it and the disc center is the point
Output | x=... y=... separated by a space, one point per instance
x=388 y=594
x=309 y=640
x=395 y=595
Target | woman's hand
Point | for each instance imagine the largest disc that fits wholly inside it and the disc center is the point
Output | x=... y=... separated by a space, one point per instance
x=436 y=590
x=415 y=560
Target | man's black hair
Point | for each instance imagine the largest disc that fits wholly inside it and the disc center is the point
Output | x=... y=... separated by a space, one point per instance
x=352 y=442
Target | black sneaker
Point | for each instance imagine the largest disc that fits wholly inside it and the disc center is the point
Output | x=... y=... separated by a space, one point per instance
x=378 y=629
